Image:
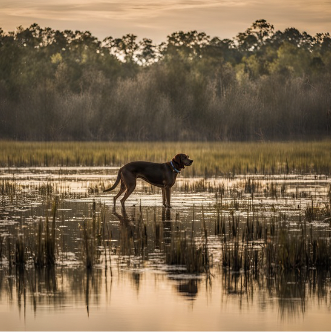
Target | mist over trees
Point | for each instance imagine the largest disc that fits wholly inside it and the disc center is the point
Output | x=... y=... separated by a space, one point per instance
x=261 y=85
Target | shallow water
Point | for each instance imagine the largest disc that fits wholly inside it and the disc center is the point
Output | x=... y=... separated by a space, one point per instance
x=147 y=299
x=131 y=286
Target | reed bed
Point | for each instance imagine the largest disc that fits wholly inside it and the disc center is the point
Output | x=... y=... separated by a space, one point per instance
x=210 y=158
x=253 y=234
x=36 y=245
x=185 y=252
x=258 y=234
x=252 y=244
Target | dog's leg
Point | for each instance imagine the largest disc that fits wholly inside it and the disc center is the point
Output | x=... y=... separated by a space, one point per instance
x=130 y=184
x=122 y=189
x=164 y=197
x=168 y=196
x=127 y=194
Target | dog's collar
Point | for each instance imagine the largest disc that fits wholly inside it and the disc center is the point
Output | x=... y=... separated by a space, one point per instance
x=173 y=168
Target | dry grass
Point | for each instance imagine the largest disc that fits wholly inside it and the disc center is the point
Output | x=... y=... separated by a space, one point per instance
x=210 y=158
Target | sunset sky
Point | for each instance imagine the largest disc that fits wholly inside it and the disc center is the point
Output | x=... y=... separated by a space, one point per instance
x=157 y=19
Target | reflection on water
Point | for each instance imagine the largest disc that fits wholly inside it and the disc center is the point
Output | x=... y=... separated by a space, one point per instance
x=263 y=246
x=97 y=293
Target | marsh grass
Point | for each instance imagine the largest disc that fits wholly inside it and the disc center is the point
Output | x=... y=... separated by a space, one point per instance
x=317 y=212
x=96 y=237
x=50 y=237
x=8 y=187
x=34 y=244
x=275 y=249
x=88 y=244
x=40 y=246
x=44 y=250
x=210 y=158
x=184 y=251
x=253 y=236
x=188 y=250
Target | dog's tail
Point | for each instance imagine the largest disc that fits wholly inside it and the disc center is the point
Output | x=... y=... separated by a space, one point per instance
x=116 y=183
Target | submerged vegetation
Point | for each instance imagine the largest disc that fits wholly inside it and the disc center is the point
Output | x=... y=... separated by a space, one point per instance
x=263 y=233
x=254 y=224
x=252 y=238
x=261 y=85
x=210 y=158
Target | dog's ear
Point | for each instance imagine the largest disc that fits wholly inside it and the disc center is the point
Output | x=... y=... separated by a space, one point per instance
x=178 y=160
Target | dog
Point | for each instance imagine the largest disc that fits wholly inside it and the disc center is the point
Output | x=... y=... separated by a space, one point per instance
x=158 y=174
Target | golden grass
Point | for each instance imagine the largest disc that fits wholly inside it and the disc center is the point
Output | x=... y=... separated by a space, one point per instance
x=210 y=158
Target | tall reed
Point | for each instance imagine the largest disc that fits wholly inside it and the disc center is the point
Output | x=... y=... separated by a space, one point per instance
x=210 y=159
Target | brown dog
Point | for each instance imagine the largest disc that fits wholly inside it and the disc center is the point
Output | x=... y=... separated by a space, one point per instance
x=158 y=174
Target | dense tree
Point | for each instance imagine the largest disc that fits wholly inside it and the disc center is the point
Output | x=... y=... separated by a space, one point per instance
x=260 y=85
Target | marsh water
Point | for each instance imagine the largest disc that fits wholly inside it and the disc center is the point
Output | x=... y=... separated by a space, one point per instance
x=133 y=282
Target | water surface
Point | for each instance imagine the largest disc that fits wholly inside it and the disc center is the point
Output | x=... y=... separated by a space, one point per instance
x=131 y=286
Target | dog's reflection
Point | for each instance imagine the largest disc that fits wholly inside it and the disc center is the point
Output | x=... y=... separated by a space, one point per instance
x=188 y=288
x=133 y=228
x=133 y=240
x=127 y=232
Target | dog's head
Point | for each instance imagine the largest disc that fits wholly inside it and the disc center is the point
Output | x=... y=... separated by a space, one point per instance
x=182 y=160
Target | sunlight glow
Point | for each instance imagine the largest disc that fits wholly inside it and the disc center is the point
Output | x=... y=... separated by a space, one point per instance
x=155 y=19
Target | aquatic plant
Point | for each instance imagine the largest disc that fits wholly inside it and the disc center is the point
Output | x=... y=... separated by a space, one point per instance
x=8 y=187
x=88 y=244
x=50 y=236
x=20 y=257
x=39 y=259
x=210 y=159
x=1 y=246
x=92 y=237
x=188 y=252
x=185 y=252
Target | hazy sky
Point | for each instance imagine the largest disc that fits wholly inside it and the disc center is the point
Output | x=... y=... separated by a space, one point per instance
x=157 y=19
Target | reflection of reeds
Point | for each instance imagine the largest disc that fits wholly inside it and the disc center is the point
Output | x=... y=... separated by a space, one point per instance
x=88 y=244
x=1 y=246
x=20 y=251
x=254 y=234
x=289 y=290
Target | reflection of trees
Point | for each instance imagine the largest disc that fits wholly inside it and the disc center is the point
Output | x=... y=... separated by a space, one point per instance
x=141 y=238
x=85 y=282
x=290 y=291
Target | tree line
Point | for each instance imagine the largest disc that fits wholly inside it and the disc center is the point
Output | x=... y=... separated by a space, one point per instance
x=261 y=85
